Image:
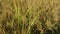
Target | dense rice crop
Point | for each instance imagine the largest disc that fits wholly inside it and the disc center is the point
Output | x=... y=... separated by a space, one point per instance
x=29 y=16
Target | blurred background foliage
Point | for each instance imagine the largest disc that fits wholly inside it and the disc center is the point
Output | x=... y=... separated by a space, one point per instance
x=29 y=16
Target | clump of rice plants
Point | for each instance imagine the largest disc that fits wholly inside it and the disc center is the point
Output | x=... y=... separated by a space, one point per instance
x=29 y=16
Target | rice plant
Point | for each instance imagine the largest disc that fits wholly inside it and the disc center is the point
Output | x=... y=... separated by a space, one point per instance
x=29 y=16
